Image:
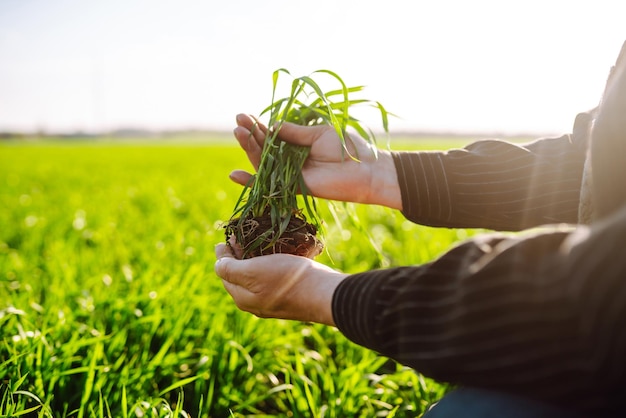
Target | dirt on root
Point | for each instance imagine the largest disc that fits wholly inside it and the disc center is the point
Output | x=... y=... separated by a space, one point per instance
x=300 y=238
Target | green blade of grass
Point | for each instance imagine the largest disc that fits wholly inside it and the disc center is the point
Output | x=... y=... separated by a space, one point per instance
x=178 y=384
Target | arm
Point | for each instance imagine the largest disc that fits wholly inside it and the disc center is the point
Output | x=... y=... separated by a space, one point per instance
x=495 y=184
x=542 y=316
x=491 y=184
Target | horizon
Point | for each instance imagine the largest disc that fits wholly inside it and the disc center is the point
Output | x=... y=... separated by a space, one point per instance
x=121 y=134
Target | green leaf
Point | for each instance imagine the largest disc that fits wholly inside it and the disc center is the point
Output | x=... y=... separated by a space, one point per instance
x=279 y=180
x=178 y=384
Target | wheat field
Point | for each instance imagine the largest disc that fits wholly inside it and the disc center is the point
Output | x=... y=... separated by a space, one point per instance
x=109 y=306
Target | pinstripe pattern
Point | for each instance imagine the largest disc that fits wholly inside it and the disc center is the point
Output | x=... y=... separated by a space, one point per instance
x=506 y=313
x=510 y=313
x=494 y=184
x=540 y=315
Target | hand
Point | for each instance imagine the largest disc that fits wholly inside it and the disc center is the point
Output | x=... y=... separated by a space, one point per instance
x=329 y=172
x=279 y=285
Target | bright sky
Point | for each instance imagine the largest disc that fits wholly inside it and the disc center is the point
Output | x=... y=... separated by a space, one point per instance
x=490 y=66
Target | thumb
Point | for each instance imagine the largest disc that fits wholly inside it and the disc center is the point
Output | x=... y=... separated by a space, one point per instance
x=222 y=250
x=224 y=257
x=241 y=177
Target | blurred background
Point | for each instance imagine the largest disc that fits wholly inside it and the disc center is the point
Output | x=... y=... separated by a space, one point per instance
x=443 y=66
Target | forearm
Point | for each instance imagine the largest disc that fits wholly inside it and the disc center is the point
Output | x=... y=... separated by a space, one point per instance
x=313 y=301
x=539 y=316
x=495 y=184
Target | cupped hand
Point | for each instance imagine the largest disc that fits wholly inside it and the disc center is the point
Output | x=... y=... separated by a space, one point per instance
x=329 y=172
x=279 y=285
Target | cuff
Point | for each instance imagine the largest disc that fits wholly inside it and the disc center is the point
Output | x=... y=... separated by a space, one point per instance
x=424 y=187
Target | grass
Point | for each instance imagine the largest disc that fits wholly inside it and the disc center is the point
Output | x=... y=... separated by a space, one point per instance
x=109 y=305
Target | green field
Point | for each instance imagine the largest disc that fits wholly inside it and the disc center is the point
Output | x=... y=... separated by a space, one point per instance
x=109 y=305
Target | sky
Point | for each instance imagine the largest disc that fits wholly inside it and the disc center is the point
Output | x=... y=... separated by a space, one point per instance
x=451 y=66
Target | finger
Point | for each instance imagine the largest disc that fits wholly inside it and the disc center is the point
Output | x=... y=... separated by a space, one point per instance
x=252 y=125
x=231 y=269
x=222 y=250
x=241 y=177
x=248 y=121
x=249 y=144
x=250 y=134
x=243 y=298
x=301 y=135
x=258 y=130
x=222 y=265
x=235 y=247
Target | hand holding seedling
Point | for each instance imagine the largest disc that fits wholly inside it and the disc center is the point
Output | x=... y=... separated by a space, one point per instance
x=329 y=172
x=307 y=152
x=279 y=285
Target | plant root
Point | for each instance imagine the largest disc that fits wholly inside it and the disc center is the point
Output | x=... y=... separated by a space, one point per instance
x=254 y=237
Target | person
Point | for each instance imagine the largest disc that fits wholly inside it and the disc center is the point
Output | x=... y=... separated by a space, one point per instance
x=527 y=324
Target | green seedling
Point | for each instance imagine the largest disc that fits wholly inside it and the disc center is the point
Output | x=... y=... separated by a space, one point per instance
x=275 y=212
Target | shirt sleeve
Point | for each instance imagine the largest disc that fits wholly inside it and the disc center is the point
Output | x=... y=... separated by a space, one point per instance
x=496 y=184
x=538 y=315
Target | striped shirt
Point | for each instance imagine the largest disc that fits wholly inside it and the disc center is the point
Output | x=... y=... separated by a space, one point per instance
x=540 y=314
x=495 y=184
